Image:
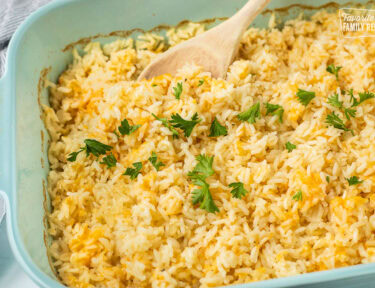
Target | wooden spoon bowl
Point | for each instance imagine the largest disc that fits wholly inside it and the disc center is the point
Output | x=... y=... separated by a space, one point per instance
x=214 y=49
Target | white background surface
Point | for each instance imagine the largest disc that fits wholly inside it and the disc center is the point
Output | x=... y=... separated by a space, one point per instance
x=11 y=274
x=16 y=278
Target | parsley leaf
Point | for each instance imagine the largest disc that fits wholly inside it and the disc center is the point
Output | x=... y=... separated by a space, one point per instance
x=208 y=203
x=186 y=125
x=73 y=156
x=126 y=129
x=290 y=147
x=354 y=180
x=217 y=129
x=352 y=98
x=365 y=96
x=115 y=132
x=204 y=197
x=305 y=97
x=177 y=90
x=238 y=190
x=349 y=112
x=335 y=121
x=271 y=108
x=109 y=160
x=328 y=179
x=275 y=109
x=201 y=82
x=334 y=70
x=334 y=101
x=154 y=161
x=251 y=114
x=166 y=124
x=198 y=194
x=204 y=166
x=95 y=147
x=297 y=196
x=198 y=176
x=154 y=85
x=134 y=172
x=92 y=147
x=362 y=97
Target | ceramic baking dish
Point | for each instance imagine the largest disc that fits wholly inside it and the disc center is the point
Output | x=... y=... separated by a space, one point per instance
x=39 y=44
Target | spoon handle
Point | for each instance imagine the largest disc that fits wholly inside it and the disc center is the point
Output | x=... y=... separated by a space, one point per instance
x=228 y=34
x=246 y=14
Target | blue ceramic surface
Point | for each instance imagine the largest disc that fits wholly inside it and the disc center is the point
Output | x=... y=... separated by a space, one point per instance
x=38 y=44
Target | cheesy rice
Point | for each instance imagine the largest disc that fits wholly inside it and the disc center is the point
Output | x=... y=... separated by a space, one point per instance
x=299 y=213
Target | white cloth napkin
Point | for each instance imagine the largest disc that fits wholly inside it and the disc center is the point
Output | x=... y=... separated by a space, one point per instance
x=12 y=13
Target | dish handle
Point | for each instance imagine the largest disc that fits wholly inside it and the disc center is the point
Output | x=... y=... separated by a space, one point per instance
x=5 y=145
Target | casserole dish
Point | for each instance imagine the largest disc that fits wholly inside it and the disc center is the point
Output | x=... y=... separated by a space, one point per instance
x=41 y=45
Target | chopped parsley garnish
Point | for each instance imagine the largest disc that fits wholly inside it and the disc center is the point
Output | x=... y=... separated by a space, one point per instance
x=334 y=101
x=350 y=112
x=177 y=90
x=305 y=97
x=328 y=179
x=203 y=196
x=217 y=129
x=201 y=82
x=198 y=176
x=290 y=147
x=354 y=180
x=186 y=125
x=134 y=172
x=251 y=114
x=126 y=129
x=92 y=147
x=297 y=196
x=154 y=85
x=115 y=132
x=238 y=190
x=96 y=148
x=335 y=121
x=334 y=70
x=362 y=97
x=154 y=161
x=275 y=109
x=352 y=98
x=204 y=166
x=109 y=160
x=166 y=124
x=73 y=156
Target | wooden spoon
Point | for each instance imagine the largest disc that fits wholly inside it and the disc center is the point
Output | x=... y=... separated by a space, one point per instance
x=214 y=49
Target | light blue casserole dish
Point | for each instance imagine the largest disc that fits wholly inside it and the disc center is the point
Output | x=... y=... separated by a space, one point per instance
x=38 y=44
